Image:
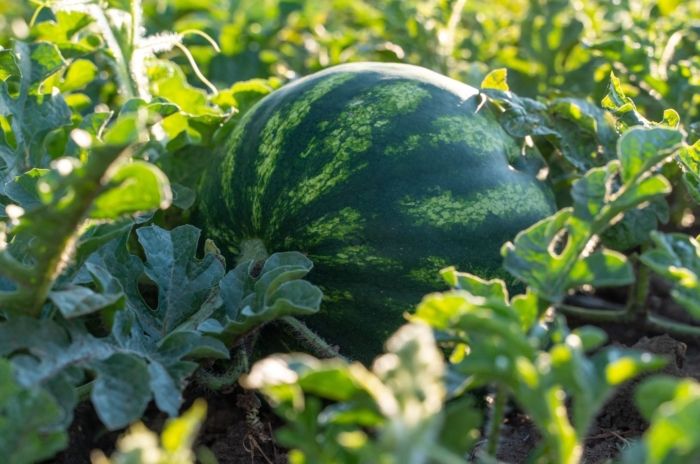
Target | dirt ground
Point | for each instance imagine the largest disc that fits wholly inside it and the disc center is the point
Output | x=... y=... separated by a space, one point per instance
x=227 y=435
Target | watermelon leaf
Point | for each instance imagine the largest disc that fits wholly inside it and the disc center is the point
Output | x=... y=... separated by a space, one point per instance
x=586 y=134
x=94 y=236
x=28 y=418
x=503 y=352
x=557 y=254
x=78 y=300
x=496 y=79
x=402 y=399
x=173 y=445
x=277 y=291
x=136 y=186
x=522 y=116
x=530 y=257
x=669 y=404
x=66 y=194
x=677 y=257
x=689 y=158
x=31 y=116
x=195 y=293
x=8 y=65
x=93 y=125
x=160 y=368
x=23 y=189
x=182 y=281
x=604 y=268
x=587 y=137
x=79 y=74
x=475 y=285
x=640 y=150
x=621 y=105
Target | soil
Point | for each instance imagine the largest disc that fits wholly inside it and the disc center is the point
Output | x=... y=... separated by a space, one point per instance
x=225 y=432
x=231 y=438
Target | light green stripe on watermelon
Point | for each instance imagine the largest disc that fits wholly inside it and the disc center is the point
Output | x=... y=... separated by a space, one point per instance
x=336 y=296
x=342 y=225
x=228 y=164
x=352 y=137
x=405 y=147
x=277 y=131
x=476 y=131
x=444 y=211
x=359 y=255
x=456 y=129
x=428 y=272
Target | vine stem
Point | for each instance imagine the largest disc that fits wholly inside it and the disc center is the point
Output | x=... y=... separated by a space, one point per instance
x=497 y=415
x=225 y=381
x=638 y=308
x=118 y=59
x=318 y=346
x=677 y=329
x=83 y=392
x=601 y=315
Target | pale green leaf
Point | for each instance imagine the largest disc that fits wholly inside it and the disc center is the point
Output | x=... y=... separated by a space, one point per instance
x=139 y=186
x=641 y=149
x=79 y=74
x=8 y=65
x=677 y=258
x=496 y=79
x=601 y=269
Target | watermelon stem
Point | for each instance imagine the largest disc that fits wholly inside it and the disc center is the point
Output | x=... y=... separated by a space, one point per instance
x=252 y=249
x=312 y=341
x=226 y=381
x=497 y=415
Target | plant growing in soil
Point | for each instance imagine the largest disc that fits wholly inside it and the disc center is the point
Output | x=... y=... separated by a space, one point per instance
x=108 y=297
x=120 y=329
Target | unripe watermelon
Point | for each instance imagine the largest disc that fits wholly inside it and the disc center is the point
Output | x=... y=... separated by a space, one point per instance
x=382 y=174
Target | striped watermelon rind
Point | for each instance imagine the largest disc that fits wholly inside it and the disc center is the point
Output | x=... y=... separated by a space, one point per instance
x=382 y=174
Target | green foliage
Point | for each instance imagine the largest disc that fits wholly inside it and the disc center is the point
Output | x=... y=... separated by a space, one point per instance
x=671 y=406
x=402 y=398
x=676 y=257
x=496 y=343
x=155 y=371
x=28 y=421
x=596 y=206
x=249 y=301
x=31 y=114
x=503 y=343
x=74 y=183
x=105 y=296
x=141 y=446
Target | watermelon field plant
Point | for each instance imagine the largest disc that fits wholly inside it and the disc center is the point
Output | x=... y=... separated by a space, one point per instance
x=331 y=231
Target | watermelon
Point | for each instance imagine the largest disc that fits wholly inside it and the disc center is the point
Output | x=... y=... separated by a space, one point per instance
x=382 y=174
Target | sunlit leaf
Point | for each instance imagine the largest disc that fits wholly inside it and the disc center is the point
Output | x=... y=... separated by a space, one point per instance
x=677 y=258
x=496 y=79
x=139 y=186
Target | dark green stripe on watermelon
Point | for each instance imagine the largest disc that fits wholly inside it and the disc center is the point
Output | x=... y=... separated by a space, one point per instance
x=383 y=174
